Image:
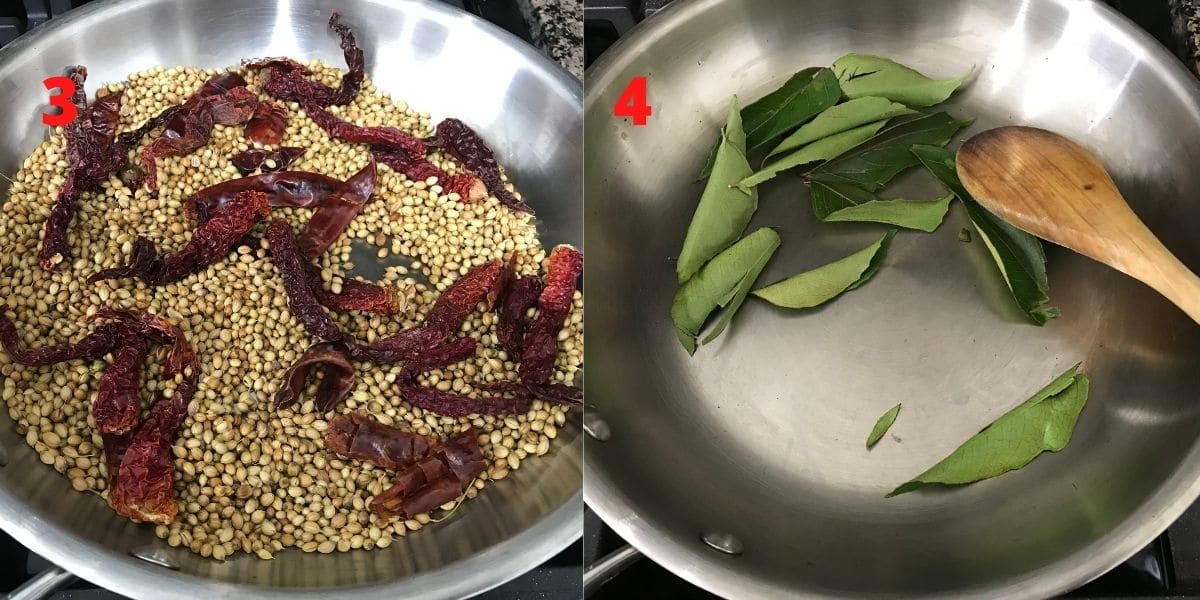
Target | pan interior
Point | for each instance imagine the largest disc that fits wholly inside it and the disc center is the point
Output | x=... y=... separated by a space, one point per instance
x=761 y=434
x=437 y=59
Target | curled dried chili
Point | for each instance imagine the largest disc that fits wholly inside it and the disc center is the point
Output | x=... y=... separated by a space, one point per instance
x=540 y=346
x=358 y=436
x=268 y=124
x=117 y=405
x=385 y=137
x=230 y=107
x=445 y=318
x=210 y=243
x=522 y=294
x=296 y=189
x=285 y=78
x=441 y=356
x=451 y=404
x=303 y=302
x=434 y=480
x=214 y=86
x=335 y=213
x=270 y=161
x=468 y=187
x=356 y=295
x=464 y=144
x=334 y=387
x=94 y=345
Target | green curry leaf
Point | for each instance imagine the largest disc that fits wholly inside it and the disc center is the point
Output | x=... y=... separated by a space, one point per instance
x=876 y=161
x=825 y=148
x=863 y=75
x=824 y=283
x=1042 y=423
x=841 y=202
x=724 y=210
x=805 y=94
x=843 y=117
x=883 y=425
x=724 y=281
x=1017 y=254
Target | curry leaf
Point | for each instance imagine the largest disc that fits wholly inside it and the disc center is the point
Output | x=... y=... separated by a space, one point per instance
x=865 y=75
x=724 y=210
x=722 y=282
x=805 y=94
x=822 y=284
x=825 y=148
x=876 y=161
x=1042 y=423
x=1017 y=254
x=842 y=117
x=842 y=202
x=883 y=425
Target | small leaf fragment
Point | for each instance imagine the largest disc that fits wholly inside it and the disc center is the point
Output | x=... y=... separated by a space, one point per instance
x=803 y=95
x=842 y=117
x=724 y=210
x=824 y=283
x=865 y=75
x=1043 y=423
x=1017 y=254
x=839 y=202
x=826 y=148
x=964 y=235
x=883 y=425
x=721 y=282
x=876 y=161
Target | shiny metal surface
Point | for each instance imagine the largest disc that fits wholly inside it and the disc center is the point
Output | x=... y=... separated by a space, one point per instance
x=761 y=434
x=437 y=59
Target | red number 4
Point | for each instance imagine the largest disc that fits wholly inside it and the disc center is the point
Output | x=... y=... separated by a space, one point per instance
x=66 y=88
x=632 y=102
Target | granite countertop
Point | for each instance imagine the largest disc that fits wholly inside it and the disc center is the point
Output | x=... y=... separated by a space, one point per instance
x=556 y=27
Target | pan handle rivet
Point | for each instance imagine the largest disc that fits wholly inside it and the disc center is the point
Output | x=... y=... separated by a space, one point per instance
x=722 y=542
x=595 y=426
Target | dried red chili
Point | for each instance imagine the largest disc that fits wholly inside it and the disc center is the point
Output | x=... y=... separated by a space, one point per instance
x=270 y=161
x=214 y=86
x=210 y=243
x=285 y=77
x=334 y=387
x=334 y=214
x=296 y=189
x=450 y=404
x=117 y=405
x=231 y=107
x=92 y=346
x=522 y=295
x=276 y=62
x=468 y=187
x=268 y=124
x=286 y=258
x=358 y=436
x=434 y=480
x=441 y=356
x=443 y=320
x=464 y=144
x=144 y=487
x=355 y=295
x=549 y=392
x=540 y=346
x=385 y=137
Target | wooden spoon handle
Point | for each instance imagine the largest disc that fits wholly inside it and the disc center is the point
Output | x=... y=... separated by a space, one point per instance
x=1171 y=278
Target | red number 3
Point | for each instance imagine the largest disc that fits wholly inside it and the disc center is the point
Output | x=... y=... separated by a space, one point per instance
x=66 y=88
x=632 y=102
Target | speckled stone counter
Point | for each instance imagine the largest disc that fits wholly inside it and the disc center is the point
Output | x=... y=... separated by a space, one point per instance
x=556 y=27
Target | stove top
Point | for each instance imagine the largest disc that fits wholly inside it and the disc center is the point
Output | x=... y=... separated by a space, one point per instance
x=1167 y=568
x=556 y=579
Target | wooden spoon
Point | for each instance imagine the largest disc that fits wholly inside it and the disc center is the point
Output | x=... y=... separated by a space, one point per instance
x=1055 y=189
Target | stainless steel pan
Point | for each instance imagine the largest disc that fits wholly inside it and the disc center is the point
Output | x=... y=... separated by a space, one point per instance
x=435 y=58
x=757 y=441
